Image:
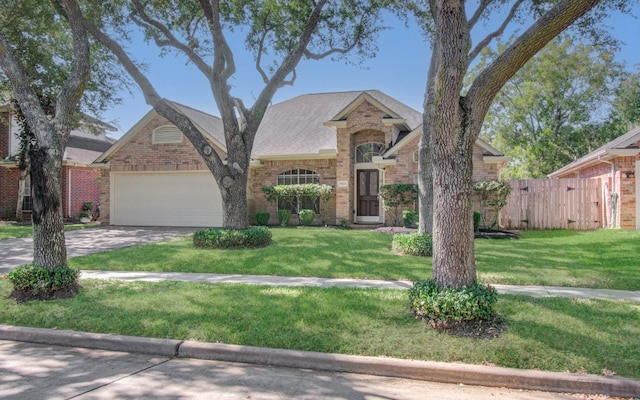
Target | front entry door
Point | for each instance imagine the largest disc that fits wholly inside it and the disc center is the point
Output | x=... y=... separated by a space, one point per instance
x=368 y=202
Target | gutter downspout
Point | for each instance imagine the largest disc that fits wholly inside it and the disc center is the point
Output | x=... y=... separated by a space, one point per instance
x=69 y=194
x=614 y=194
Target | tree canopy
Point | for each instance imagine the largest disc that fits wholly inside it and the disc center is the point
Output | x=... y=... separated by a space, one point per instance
x=557 y=108
x=278 y=34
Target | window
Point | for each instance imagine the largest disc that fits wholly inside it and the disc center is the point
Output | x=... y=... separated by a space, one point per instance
x=300 y=177
x=27 y=205
x=166 y=135
x=366 y=152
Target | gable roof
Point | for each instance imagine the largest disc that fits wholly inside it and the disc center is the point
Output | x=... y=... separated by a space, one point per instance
x=209 y=125
x=300 y=127
x=489 y=151
x=625 y=145
x=297 y=126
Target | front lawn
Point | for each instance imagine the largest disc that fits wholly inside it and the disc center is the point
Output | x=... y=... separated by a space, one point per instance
x=548 y=334
x=597 y=259
x=12 y=231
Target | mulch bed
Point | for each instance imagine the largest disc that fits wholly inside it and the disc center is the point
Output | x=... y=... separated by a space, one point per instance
x=65 y=293
x=477 y=329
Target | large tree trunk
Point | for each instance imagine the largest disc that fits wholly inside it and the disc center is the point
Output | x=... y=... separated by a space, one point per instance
x=49 y=249
x=234 y=202
x=453 y=253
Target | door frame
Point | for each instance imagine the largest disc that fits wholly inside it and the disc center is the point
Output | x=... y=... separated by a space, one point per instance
x=369 y=219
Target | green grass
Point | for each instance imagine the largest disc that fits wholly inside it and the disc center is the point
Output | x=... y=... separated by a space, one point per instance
x=604 y=258
x=319 y=252
x=20 y=231
x=597 y=259
x=546 y=334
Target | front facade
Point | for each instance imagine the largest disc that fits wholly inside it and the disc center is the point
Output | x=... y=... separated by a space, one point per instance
x=353 y=141
x=79 y=180
x=617 y=166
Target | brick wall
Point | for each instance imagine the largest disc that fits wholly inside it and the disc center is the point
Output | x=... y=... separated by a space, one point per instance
x=267 y=175
x=8 y=192
x=141 y=155
x=85 y=186
x=4 y=134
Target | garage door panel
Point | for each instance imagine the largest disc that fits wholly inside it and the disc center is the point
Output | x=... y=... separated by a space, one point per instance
x=166 y=199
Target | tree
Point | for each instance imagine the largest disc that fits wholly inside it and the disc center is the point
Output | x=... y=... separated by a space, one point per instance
x=551 y=111
x=51 y=136
x=45 y=61
x=279 y=34
x=453 y=118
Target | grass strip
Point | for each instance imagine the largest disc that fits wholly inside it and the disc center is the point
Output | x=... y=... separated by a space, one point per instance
x=543 y=333
x=20 y=231
x=596 y=259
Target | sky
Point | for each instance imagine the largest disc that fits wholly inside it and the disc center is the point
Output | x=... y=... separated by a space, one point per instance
x=399 y=69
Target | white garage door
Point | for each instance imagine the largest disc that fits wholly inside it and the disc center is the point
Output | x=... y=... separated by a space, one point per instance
x=165 y=199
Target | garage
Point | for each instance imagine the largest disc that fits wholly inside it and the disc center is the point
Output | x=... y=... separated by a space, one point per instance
x=165 y=199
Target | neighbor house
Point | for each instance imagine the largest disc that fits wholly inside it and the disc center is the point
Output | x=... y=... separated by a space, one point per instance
x=616 y=165
x=353 y=141
x=78 y=180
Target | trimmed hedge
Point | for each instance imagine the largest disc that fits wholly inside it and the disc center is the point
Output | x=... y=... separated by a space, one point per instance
x=413 y=244
x=218 y=238
x=40 y=281
x=433 y=303
x=306 y=217
x=283 y=217
x=262 y=218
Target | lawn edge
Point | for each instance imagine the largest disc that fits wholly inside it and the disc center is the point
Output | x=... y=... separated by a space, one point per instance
x=381 y=366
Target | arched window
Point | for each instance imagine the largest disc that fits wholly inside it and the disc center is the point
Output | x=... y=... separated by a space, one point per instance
x=366 y=152
x=300 y=177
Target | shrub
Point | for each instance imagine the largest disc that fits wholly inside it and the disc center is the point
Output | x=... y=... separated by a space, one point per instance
x=344 y=224
x=215 y=238
x=409 y=217
x=396 y=196
x=40 y=282
x=477 y=215
x=306 y=217
x=283 y=217
x=262 y=218
x=433 y=303
x=87 y=206
x=414 y=244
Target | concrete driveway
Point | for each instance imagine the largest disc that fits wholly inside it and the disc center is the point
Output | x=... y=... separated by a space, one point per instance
x=15 y=252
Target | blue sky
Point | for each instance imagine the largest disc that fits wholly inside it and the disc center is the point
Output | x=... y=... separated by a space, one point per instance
x=399 y=69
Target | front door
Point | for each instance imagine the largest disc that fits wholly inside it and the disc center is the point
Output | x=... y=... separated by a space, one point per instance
x=368 y=202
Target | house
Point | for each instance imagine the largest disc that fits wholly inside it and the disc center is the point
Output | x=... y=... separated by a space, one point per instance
x=78 y=180
x=617 y=166
x=353 y=141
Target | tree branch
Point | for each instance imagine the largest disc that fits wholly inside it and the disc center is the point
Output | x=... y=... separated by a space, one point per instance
x=485 y=42
x=68 y=98
x=170 y=41
x=485 y=87
x=161 y=105
x=476 y=16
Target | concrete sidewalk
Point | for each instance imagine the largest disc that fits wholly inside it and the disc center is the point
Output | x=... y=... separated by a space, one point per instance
x=31 y=371
x=535 y=291
x=134 y=367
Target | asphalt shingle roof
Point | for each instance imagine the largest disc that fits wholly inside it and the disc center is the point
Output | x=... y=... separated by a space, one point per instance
x=296 y=126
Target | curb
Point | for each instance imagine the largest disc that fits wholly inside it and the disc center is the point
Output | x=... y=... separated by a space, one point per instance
x=391 y=367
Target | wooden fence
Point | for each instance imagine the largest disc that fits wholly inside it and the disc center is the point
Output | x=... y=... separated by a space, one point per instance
x=553 y=203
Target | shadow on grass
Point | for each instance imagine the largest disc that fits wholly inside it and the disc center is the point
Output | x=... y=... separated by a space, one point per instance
x=593 y=335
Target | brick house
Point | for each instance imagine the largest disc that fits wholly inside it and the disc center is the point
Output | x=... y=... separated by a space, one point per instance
x=353 y=141
x=617 y=166
x=79 y=180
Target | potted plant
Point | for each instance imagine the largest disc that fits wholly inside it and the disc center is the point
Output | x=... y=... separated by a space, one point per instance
x=85 y=217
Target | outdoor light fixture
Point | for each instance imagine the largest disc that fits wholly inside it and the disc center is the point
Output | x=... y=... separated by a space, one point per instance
x=629 y=174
